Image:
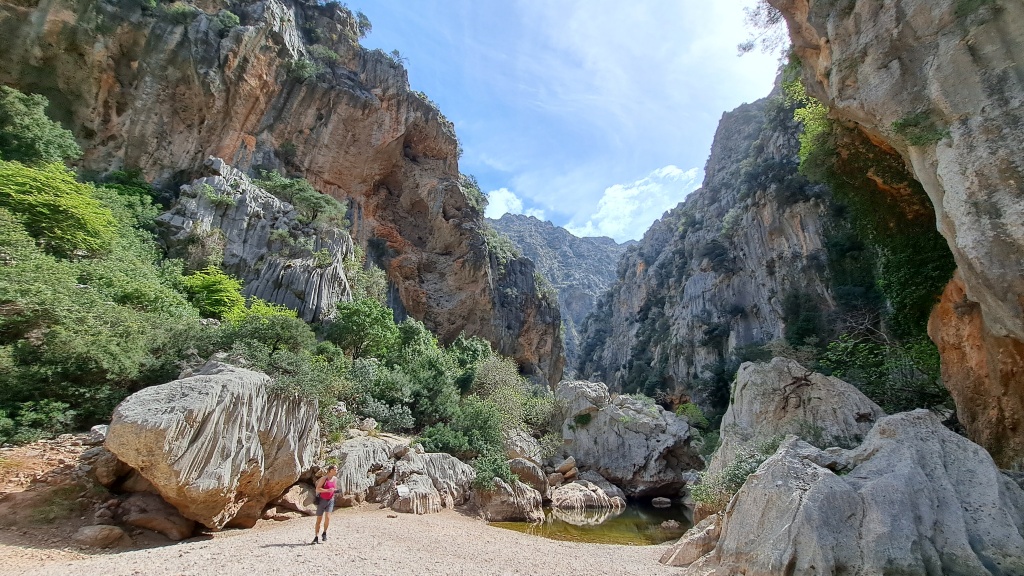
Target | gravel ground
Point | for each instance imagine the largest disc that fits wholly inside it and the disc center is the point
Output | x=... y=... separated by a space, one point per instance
x=363 y=541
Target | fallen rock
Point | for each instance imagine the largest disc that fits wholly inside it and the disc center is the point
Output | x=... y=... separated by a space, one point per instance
x=611 y=490
x=416 y=495
x=97 y=435
x=635 y=444
x=367 y=424
x=300 y=498
x=781 y=397
x=136 y=483
x=555 y=478
x=99 y=536
x=361 y=459
x=661 y=502
x=697 y=542
x=108 y=468
x=149 y=511
x=581 y=495
x=285 y=515
x=919 y=500
x=530 y=474
x=515 y=502
x=519 y=444
x=566 y=465
x=423 y=483
x=217 y=445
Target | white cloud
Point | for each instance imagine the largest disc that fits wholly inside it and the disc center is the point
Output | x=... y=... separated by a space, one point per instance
x=502 y=201
x=625 y=211
x=536 y=213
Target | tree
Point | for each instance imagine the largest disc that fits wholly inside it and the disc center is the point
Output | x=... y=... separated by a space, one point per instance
x=363 y=327
x=767 y=29
x=54 y=208
x=214 y=293
x=27 y=135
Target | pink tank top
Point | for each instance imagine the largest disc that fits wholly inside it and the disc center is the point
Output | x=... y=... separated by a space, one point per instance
x=328 y=489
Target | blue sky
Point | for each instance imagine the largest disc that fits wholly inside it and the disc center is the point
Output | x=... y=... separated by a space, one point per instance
x=595 y=114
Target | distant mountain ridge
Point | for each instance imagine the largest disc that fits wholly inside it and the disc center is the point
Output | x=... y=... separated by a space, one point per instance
x=579 y=269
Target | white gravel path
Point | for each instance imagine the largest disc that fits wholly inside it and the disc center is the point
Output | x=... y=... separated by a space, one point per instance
x=363 y=541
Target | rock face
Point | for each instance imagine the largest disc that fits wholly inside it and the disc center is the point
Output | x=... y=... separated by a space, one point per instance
x=265 y=244
x=637 y=446
x=218 y=446
x=942 y=82
x=781 y=397
x=579 y=269
x=919 y=500
x=140 y=90
x=984 y=374
x=515 y=502
x=713 y=274
x=583 y=495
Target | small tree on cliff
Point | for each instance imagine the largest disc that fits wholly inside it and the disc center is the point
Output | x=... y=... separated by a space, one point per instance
x=767 y=29
x=363 y=328
x=27 y=135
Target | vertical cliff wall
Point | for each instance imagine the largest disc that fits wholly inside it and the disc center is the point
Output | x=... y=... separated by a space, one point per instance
x=579 y=269
x=942 y=82
x=290 y=88
x=714 y=274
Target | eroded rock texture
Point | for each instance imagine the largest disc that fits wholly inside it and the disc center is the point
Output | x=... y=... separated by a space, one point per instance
x=141 y=90
x=919 y=500
x=942 y=82
x=579 y=269
x=713 y=274
x=217 y=446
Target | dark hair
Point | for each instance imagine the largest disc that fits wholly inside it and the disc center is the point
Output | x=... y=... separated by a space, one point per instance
x=332 y=467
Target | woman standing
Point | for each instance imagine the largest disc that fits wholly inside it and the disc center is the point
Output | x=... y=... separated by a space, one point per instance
x=325 y=488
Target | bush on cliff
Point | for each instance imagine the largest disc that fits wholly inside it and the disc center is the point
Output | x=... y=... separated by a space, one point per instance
x=27 y=135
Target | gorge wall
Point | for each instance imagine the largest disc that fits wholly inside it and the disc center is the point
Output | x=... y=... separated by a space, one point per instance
x=716 y=272
x=579 y=269
x=942 y=83
x=289 y=88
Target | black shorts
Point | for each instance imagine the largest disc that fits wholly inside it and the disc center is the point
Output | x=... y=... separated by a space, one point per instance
x=325 y=505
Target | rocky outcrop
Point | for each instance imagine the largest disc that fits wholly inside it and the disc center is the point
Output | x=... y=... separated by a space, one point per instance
x=264 y=242
x=151 y=512
x=698 y=541
x=919 y=500
x=530 y=474
x=140 y=89
x=713 y=274
x=941 y=82
x=583 y=495
x=781 y=397
x=218 y=446
x=363 y=463
x=579 y=269
x=984 y=373
x=515 y=502
x=634 y=444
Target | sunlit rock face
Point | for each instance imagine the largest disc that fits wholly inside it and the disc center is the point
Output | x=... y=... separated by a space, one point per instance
x=579 y=269
x=143 y=90
x=942 y=82
x=712 y=275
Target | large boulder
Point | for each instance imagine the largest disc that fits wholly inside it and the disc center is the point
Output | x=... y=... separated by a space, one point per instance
x=515 y=502
x=519 y=444
x=781 y=397
x=637 y=445
x=300 y=498
x=697 y=542
x=426 y=483
x=364 y=462
x=530 y=473
x=218 y=445
x=919 y=500
x=583 y=495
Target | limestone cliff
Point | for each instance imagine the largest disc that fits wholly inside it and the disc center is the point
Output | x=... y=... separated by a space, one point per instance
x=942 y=82
x=579 y=269
x=713 y=274
x=290 y=88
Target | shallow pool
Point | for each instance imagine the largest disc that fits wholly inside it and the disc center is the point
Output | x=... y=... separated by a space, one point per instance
x=637 y=525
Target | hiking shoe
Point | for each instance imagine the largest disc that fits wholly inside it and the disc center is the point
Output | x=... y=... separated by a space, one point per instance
x=324 y=536
x=316 y=540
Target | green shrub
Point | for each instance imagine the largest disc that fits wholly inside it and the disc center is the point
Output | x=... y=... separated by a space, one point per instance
x=64 y=214
x=366 y=280
x=227 y=20
x=491 y=467
x=27 y=135
x=474 y=195
x=304 y=70
x=323 y=54
x=715 y=490
x=322 y=258
x=363 y=23
x=693 y=414
x=214 y=293
x=920 y=129
x=581 y=420
x=180 y=12
x=363 y=328
x=272 y=325
x=499 y=245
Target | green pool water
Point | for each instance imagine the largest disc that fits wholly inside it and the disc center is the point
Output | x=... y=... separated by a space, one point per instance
x=636 y=525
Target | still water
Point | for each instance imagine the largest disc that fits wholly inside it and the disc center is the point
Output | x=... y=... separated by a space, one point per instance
x=637 y=525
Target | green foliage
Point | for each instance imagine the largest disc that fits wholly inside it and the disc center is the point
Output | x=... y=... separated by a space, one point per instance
x=216 y=198
x=64 y=214
x=920 y=129
x=180 y=12
x=304 y=70
x=693 y=414
x=965 y=8
x=499 y=245
x=491 y=467
x=323 y=54
x=363 y=328
x=214 y=293
x=27 y=135
x=322 y=258
x=474 y=195
x=314 y=207
x=715 y=490
x=581 y=420
x=365 y=280
x=803 y=318
x=227 y=20
x=363 y=24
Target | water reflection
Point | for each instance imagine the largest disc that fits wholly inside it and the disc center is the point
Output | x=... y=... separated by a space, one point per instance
x=635 y=525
